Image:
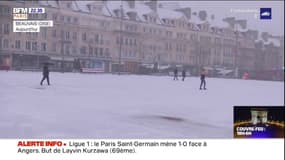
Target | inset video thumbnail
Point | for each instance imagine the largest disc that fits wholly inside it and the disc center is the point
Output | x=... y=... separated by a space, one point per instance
x=258 y=122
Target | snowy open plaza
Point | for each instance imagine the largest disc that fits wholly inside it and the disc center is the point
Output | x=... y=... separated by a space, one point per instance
x=79 y=105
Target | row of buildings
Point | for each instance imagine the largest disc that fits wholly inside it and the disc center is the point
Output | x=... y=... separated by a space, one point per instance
x=112 y=36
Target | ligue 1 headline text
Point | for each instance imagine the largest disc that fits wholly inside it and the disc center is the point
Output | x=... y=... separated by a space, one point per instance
x=100 y=147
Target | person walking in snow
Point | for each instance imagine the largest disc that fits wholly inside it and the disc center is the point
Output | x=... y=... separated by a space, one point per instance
x=175 y=74
x=45 y=74
x=202 y=78
x=183 y=74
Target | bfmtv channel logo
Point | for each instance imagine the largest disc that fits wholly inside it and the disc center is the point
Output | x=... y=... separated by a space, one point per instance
x=265 y=13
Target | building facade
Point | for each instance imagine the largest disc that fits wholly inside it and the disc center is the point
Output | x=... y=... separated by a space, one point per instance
x=113 y=36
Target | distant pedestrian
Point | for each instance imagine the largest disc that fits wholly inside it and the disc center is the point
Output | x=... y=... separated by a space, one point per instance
x=203 y=81
x=175 y=74
x=45 y=74
x=183 y=74
x=245 y=75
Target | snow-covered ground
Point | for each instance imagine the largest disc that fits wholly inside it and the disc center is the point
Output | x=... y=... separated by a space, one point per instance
x=127 y=106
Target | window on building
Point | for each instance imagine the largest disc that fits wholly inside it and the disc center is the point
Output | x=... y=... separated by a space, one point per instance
x=44 y=16
x=53 y=48
x=107 y=53
x=1 y=28
x=90 y=50
x=34 y=46
x=6 y=43
x=96 y=51
x=5 y=11
x=62 y=18
x=54 y=17
x=96 y=38
x=28 y=45
x=184 y=48
x=18 y=44
x=74 y=50
x=6 y=28
x=67 y=49
x=68 y=19
x=166 y=46
x=74 y=36
x=68 y=5
x=135 y=28
x=118 y=40
x=44 y=32
x=101 y=52
x=54 y=33
x=75 y=20
x=43 y=47
x=84 y=36
x=34 y=35
x=83 y=50
x=101 y=39
x=62 y=34
x=131 y=42
x=0 y=43
x=67 y=35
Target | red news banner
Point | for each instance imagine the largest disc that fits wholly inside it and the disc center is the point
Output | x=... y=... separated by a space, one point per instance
x=24 y=144
x=102 y=146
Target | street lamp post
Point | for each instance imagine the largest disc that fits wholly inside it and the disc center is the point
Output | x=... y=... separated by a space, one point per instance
x=121 y=26
x=199 y=57
x=62 y=52
x=236 y=53
x=197 y=52
x=0 y=49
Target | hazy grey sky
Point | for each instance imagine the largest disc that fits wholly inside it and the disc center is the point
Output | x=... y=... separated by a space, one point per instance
x=222 y=9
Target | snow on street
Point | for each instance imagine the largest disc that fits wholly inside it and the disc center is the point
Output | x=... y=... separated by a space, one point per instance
x=126 y=106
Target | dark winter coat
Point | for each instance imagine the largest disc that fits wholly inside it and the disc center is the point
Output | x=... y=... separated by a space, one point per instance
x=203 y=75
x=45 y=70
x=183 y=73
x=175 y=71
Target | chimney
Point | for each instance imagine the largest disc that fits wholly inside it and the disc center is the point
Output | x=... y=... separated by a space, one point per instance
x=252 y=34
x=119 y=13
x=96 y=7
x=65 y=4
x=152 y=4
x=242 y=23
x=265 y=36
x=132 y=15
x=186 y=11
x=131 y=3
x=230 y=21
